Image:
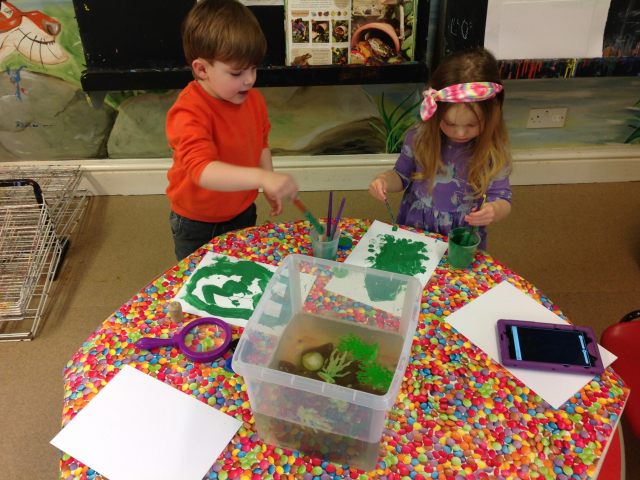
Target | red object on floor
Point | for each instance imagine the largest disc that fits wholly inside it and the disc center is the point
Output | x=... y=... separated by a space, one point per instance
x=623 y=340
x=612 y=469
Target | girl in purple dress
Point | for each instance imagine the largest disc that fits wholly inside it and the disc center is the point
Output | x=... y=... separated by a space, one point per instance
x=457 y=154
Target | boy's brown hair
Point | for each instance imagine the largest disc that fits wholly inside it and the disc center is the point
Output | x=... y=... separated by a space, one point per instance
x=223 y=30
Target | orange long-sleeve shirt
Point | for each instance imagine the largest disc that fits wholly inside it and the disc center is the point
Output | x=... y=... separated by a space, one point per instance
x=202 y=129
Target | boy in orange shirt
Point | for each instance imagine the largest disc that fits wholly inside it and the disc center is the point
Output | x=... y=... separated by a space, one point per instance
x=218 y=129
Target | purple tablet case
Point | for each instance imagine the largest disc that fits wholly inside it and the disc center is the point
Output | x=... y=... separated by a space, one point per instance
x=592 y=348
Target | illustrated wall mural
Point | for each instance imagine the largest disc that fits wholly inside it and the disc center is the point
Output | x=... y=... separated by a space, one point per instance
x=42 y=37
x=44 y=114
x=32 y=34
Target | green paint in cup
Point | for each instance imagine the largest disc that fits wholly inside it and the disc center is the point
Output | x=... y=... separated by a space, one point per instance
x=460 y=255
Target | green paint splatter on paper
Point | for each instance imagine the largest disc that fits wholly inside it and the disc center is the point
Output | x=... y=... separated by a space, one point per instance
x=245 y=280
x=400 y=255
x=397 y=255
x=382 y=289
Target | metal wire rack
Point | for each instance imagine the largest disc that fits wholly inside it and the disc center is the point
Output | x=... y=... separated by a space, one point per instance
x=60 y=189
x=34 y=225
x=29 y=256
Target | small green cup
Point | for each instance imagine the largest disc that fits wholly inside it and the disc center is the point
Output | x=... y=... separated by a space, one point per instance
x=460 y=256
x=321 y=247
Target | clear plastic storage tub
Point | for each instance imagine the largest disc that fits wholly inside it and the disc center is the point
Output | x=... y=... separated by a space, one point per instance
x=310 y=303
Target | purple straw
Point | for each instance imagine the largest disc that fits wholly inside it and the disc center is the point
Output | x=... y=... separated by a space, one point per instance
x=329 y=216
x=338 y=218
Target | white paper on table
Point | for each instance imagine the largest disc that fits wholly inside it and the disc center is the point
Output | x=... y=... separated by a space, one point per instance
x=193 y=433
x=478 y=321
x=527 y=29
x=239 y=302
x=360 y=253
x=352 y=286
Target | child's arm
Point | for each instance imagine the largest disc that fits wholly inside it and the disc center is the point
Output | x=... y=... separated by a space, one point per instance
x=267 y=164
x=397 y=179
x=224 y=177
x=388 y=181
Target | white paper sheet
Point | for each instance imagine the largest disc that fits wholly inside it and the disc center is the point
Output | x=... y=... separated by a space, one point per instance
x=353 y=287
x=531 y=29
x=478 y=320
x=360 y=254
x=235 y=309
x=119 y=432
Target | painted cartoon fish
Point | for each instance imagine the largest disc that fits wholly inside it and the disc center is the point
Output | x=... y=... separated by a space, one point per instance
x=33 y=34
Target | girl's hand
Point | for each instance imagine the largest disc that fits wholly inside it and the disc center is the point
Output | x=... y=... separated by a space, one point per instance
x=278 y=185
x=484 y=217
x=274 y=203
x=378 y=187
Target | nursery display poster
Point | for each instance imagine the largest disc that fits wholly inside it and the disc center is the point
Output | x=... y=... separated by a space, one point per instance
x=339 y=32
x=318 y=32
x=382 y=31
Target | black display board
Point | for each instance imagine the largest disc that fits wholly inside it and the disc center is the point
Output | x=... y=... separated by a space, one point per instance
x=622 y=31
x=136 y=45
x=462 y=25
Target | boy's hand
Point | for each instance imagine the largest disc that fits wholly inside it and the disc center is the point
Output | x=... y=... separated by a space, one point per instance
x=279 y=185
x=274 y=203
x=378 y=187
x=483 y=217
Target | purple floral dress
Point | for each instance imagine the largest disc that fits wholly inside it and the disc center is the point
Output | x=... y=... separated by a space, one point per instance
x=448 y=204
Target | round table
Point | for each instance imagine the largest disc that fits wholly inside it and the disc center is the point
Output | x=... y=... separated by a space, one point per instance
x=458 y=415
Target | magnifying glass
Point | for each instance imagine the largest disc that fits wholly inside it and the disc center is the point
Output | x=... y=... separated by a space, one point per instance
x=203 y=340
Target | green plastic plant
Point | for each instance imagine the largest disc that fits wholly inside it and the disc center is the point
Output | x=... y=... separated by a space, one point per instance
x=337 y=363
x=636 y=132
x=376 y=375
x=358 y=348
x=396 y=128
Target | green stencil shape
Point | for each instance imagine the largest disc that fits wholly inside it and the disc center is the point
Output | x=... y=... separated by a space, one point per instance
x=242 y=277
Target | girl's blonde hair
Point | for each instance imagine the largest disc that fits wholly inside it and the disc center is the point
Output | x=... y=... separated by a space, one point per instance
x=490 y=154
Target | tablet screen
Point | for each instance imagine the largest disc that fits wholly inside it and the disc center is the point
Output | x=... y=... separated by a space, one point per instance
x=563 y=347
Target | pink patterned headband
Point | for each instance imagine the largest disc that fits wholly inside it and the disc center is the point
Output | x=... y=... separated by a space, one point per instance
x=461 y=93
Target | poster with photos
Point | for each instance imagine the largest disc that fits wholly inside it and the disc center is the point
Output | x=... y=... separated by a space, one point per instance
x=318 y=32
x=382 y=31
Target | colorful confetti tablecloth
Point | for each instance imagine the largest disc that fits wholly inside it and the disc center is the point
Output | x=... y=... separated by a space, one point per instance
x=458 y=415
